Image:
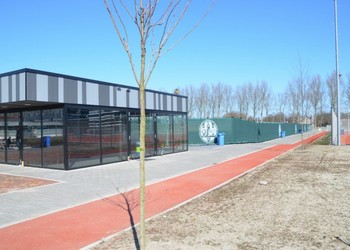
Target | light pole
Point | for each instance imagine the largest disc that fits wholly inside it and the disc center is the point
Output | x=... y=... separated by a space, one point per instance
x=337 y=69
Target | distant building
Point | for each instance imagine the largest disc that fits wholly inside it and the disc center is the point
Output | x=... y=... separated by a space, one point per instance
x=57 y=121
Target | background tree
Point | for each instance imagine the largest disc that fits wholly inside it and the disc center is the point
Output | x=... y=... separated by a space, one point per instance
x=302 y=82
x=255 y=99
x=202 y=100
x=332 y=90
x=315 y=94
x=219 y=94
x=228 y=101
x=281 y=101
x=265 y=99
x=293 y=101
x=241 y=97
x=191 y=93
x=323 y=101
x=153 y=24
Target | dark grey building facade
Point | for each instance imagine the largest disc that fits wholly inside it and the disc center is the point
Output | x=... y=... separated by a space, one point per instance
x=64 y=122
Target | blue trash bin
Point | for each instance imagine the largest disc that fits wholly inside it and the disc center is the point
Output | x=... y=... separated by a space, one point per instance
x=221 y=139
x=283 y=134
x=46 y=141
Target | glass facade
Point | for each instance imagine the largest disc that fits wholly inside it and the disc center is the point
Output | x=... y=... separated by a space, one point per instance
x=83 y=137
x=180 y=133
x=3 y=138
x=12 y=135
x=52 y=138
x=76 y=136
x=114 y=136
x=165 y=134
x=31 y=141
x=135 y=135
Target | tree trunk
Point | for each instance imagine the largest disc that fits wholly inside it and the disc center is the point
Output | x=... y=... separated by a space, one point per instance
x=142 y=132
x=142 y=168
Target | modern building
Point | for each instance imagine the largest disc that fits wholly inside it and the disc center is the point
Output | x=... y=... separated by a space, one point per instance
x=58 y=121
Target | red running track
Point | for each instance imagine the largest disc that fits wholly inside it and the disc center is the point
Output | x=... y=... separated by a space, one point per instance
x=83 y=225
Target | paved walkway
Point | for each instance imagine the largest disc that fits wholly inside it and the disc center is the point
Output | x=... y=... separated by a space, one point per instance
x=60 y=216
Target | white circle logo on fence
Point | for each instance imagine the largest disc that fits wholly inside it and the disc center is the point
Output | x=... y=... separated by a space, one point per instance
x=208 y=131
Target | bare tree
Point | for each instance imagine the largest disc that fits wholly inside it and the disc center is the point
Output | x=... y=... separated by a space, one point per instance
x=298 y=89
x=203 y=100
x=255 y=100
x=248 y=92
x=212 y=101
x=191 y=93
x=347 y=92
x=153 y=24
x=264 y=99
x=315 y=94
x=323 y=100
x=241 y=96
x=228 y=100
x=219 y=93
x=302 y=82
x=293 y=101
x=281 y=102
x=332 y=90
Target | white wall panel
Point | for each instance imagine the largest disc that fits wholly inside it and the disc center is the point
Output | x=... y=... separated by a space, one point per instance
x=174 y=103
x=111 y=96
x=80 y=92
x=133 y=98
x=168 y=106
x=22 y=86
x=121 y=97
x=92 y=93
x=61 y=89
x=42 y=88
x=5 y=89
x=149 y=100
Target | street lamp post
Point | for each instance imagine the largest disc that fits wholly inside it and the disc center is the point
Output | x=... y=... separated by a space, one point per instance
x=337 y=69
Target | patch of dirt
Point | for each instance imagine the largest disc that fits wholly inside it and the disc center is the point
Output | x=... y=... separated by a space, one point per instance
x=299 y=200
x=9 y=183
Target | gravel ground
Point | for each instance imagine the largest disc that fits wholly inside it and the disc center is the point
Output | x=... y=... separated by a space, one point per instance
x=300 y=200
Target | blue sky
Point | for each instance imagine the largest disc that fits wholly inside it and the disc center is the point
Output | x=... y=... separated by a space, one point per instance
x=239 y=41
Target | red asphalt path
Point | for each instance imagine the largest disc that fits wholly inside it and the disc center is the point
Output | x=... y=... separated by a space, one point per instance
x=83 y=225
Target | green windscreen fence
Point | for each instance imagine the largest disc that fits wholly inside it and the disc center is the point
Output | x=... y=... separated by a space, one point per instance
x=205 y=131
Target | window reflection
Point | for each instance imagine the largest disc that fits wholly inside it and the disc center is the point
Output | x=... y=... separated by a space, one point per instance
x=135 y=135
x=31 y=141
x=4 y=141
x=52 y=138
x=12 y=150
x=114 y=136
x=83 y=137
x=180 y=133
x=165 y=134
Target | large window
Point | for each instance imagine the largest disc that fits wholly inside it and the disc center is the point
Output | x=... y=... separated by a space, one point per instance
x=31 y=141
x=165 y=134
x=13 y=137
x=114 y=136
x=135 y=135
x=52 y=138
x=180 y=133
x=83 y=137
x=2 y=137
